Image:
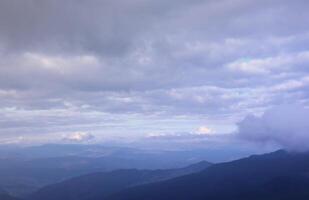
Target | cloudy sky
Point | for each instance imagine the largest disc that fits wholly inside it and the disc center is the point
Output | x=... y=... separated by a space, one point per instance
x=120 y=70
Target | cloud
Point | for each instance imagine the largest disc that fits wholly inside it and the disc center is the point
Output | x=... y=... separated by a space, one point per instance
x=266 y=65
x=285 y=125
x=78 y=137
x=204 y=130
x=128 y=68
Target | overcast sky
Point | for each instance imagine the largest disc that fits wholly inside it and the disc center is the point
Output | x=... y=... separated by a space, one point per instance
x=105 y=70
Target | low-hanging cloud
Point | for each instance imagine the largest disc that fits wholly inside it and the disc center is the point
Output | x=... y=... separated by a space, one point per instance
x=285 y=125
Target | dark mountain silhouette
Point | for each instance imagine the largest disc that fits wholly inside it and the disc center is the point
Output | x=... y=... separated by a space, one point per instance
x=274 y=176
x=100 y=185
x=5 y=196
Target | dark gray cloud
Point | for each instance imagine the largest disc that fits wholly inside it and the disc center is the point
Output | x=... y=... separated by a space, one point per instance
x=111 y=67
x=104 y=27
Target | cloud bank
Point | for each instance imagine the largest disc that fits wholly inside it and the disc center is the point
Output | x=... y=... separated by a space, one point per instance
x=285 y=125
x=122 y=69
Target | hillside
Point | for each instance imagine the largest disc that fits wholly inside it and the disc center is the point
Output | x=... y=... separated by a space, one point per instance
x=100 y=185
x=274 y=176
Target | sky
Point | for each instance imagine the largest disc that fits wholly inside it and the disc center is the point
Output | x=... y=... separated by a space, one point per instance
x=114 y=70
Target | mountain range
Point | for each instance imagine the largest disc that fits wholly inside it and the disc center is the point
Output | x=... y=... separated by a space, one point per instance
x=5 y=196
x=274 y=176
x=102 y=184
x=24 y=170
x=279 y=175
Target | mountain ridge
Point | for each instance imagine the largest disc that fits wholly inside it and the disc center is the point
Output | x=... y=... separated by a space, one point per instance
x=102 y=184
x=237 y=180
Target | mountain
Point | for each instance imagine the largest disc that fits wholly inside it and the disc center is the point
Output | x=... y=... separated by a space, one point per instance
x=24 y=170
x=274 y=176
x=5 y=196
x=100 y=185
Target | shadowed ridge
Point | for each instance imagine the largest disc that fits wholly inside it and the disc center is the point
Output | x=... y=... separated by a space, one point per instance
x=237 y=180
x=101 y=184
x=5 y=196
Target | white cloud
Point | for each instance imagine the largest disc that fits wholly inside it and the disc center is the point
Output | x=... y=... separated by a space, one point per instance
x=291 y=84
x=252 y=66
x=60 y=64
x=268 y=64
x=204 y=130
x=79 y=137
